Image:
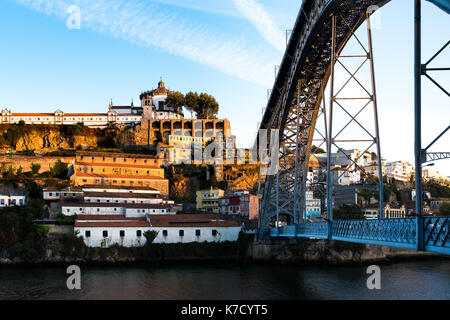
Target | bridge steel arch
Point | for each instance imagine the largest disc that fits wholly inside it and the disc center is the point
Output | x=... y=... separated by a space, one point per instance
x=296 y=97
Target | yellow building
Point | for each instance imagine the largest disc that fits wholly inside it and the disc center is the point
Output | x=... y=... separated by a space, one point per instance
x=208 y=200
x=119 y=169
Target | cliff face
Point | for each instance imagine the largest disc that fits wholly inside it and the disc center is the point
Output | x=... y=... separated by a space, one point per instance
x=133 y=138
x=51 y=139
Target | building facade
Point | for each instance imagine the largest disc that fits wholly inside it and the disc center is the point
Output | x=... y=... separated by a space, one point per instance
x=391 y=211
x=105 y=231
x=208 y=200
x=313 y=206
x=10 y=200
x=240 y=203
x=119 y=169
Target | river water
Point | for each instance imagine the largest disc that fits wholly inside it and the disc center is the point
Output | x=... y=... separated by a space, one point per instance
x=407 y=280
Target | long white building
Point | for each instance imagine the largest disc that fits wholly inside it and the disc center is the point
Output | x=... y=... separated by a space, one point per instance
x=105 y=231
x=129 y=210
x=153 y=106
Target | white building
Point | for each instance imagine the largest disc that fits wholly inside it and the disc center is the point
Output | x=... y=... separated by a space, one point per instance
x=345 y=178
x=106 y=194
x=66 y=194
x=129 y=210
x=105 y=231
x=399 y=170
x=94 y=120
x=121 y=197
x=348 y=158
x=9 y=200
x=153 y=106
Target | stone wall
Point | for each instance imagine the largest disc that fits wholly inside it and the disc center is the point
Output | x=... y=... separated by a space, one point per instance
x=26 y=161
x=326 y=252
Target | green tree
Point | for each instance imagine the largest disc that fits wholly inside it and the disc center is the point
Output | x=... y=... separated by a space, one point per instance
x=444 y=209
x=176 y=101
x=3 y=141
x=207 y=107
x=35 y=167
x=317 y=150
x=348 y=212
x=150 y=236
x=59 y=170
x=191 y=102
x=13 y=135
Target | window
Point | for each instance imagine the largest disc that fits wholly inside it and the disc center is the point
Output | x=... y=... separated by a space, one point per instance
x=122 y=233
x=165 y=233
x=105 y=234
x=139 y=233
x=214 y=233
x=50 y=194
x=197 y=233
x=181 y=233
x=87 y=234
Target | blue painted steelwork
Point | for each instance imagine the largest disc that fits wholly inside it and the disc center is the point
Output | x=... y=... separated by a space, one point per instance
x=437 y=235
x=313 y=230
x=442 y=4
x=388 y=232
x=400 y=233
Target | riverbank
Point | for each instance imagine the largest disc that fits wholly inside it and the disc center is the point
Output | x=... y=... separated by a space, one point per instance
x=326 y=252
x=65 y=249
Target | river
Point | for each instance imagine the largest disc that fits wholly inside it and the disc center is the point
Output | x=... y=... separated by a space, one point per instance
x=428 y=279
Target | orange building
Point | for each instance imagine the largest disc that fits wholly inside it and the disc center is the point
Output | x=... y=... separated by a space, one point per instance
x=119 y=169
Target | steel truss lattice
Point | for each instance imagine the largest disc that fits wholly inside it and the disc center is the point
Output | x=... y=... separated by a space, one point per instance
x=297 y=100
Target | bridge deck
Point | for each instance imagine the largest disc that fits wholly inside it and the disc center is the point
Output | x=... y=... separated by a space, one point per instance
x=401 y=233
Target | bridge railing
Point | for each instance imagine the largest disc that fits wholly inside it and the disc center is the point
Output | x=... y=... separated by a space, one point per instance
x=313 y=230
x=389 y=232
x=437 y=234
x=399 y=233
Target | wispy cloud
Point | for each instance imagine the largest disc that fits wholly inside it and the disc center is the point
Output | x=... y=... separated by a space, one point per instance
x=142 y=23
x=207 y=6
x=259 y=17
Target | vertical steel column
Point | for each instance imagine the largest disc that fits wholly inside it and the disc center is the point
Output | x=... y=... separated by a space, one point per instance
x=330 y=130
x=296 y=173
x=418 y=123
x=278 y=198
x=375 y=110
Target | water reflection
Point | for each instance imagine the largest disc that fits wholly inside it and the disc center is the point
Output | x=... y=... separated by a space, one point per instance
x=414 y=280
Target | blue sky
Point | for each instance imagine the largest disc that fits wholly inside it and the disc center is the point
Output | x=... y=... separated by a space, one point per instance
x=227 y=48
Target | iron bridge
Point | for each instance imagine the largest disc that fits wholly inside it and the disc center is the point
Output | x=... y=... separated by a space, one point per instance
x=321 y=31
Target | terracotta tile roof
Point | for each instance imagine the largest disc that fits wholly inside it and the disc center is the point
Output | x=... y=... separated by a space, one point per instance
x=112 y=154
x=85 y=217
x=115 y=176
x=118 y=165
x=103 y=188
x=121 y=195
x=115 y=205
x=84 y=114
x=111 y=222
x=32 y=114
x=190 y=220
x=64 y=115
